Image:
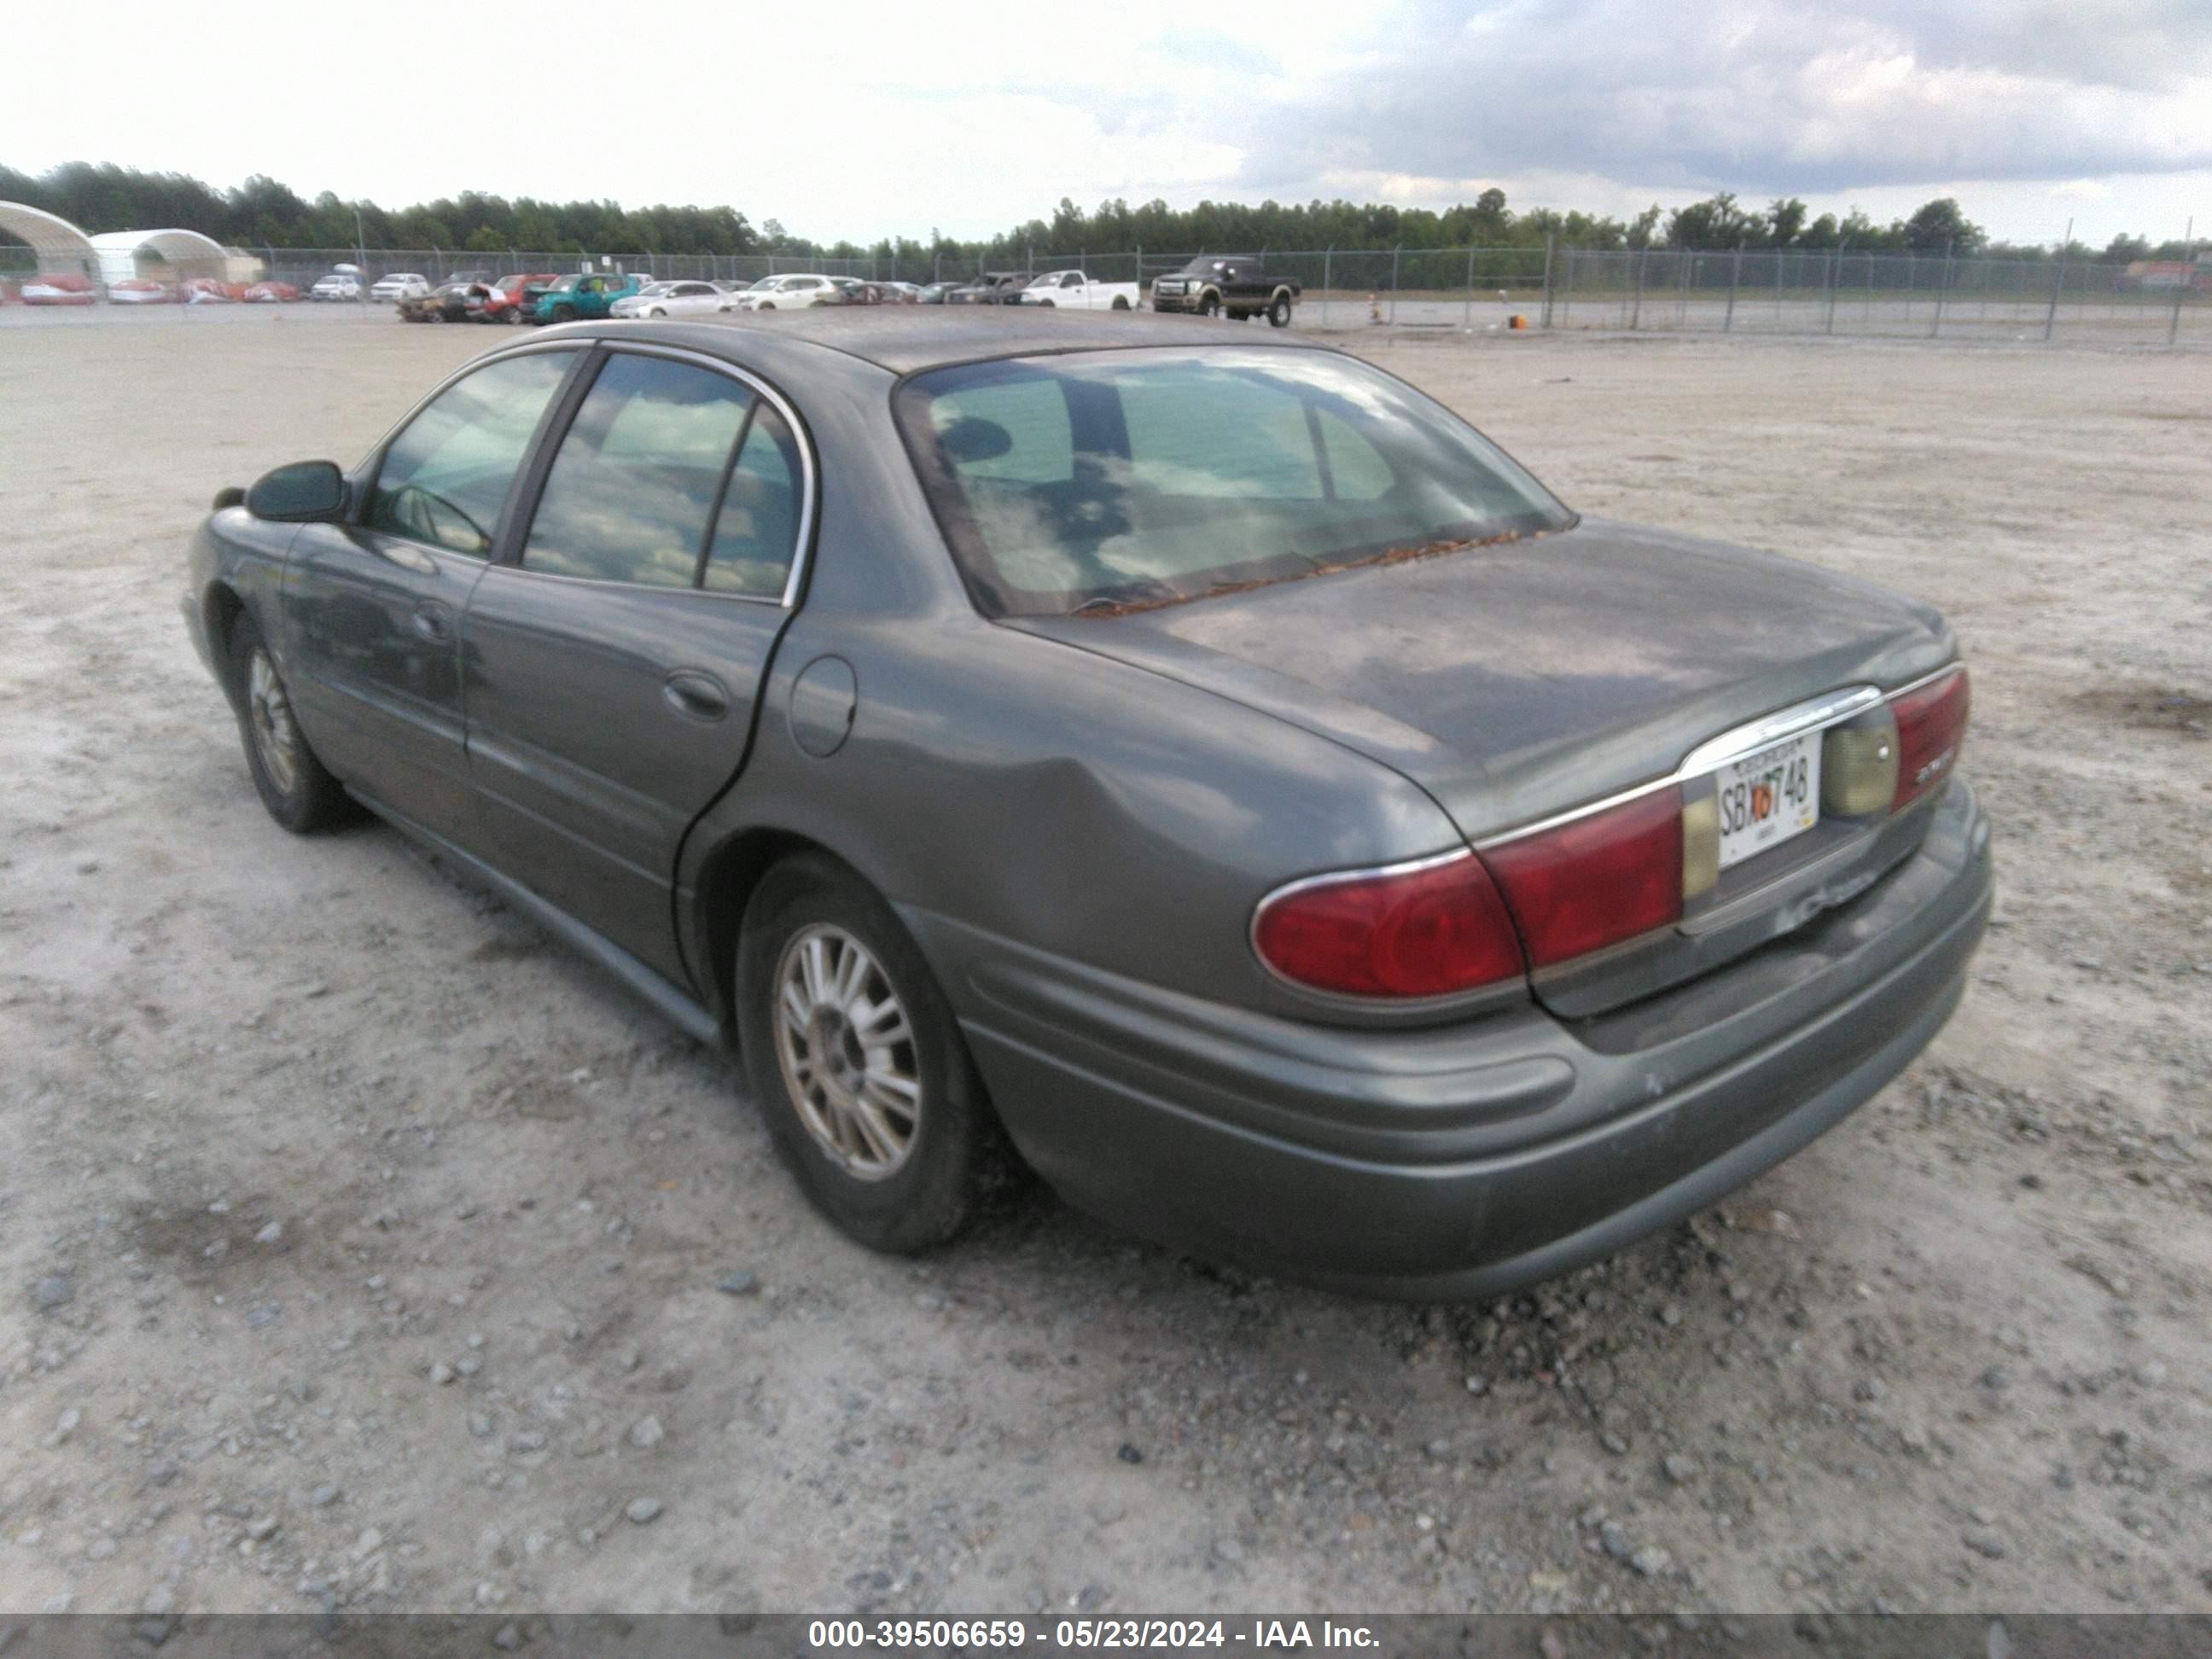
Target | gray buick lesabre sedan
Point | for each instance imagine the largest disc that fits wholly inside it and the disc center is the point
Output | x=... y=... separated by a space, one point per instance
x=1194 y=762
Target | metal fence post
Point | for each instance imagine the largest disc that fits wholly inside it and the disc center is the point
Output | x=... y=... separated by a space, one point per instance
x=1467 y=311
x=1394 y=252
x=1943 y=283
x=1328 y=257
x=1636 y=312
x=2057 y=282
x=1567 y=291
x=1547 y=312
x=1735 y=281
x=1835 y=275
x=2188 y=277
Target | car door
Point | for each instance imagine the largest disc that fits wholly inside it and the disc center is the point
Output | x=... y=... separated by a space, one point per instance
x=372 y=606
x=614 y=656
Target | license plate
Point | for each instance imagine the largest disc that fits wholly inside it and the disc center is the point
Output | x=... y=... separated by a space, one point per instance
x=1767 y=798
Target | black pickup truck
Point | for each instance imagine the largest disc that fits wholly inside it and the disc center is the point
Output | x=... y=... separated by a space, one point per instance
x=1233 y=283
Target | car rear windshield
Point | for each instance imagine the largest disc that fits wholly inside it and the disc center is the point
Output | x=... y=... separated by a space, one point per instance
x=1094 y=481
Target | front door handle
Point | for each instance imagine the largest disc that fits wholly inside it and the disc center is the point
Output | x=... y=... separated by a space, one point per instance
x=695 y=694
x=432 y=621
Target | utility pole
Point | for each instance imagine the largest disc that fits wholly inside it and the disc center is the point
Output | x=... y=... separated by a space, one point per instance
x=2188 y=278
x=2057 y=282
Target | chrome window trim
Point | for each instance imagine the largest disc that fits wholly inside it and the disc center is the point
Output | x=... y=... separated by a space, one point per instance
x=1814 y=714
x=802 y=551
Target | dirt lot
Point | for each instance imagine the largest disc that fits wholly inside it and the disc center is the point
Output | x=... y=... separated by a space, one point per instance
x=359 y=1247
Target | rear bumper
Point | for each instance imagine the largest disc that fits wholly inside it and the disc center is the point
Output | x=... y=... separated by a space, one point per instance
x=1465 y=1161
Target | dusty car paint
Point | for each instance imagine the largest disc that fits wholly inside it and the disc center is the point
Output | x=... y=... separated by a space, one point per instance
x=1077 y=817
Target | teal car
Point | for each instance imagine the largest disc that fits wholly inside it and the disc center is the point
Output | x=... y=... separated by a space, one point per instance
x=573 y=297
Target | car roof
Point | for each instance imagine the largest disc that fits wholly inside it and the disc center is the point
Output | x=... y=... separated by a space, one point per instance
x=906 y=339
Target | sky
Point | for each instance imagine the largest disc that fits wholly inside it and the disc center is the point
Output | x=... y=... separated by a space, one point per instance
x=855 y=120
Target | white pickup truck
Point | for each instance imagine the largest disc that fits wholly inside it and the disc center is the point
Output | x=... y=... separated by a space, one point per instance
x=1075 y=291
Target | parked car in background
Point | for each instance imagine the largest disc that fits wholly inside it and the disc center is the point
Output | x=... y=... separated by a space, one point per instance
x=61 y=289
x=343 y=284
x=994 y=288
x=1234 y=284
x=932 y=294
x=900 y=294
x=859 y=291
x=1209 y=767
x=400 y=285
x=681 y=298
x=209 y=290
x=457 y=301
x=1075 y=290
x=141 y=291
x=582 y=295
x=519 y=295
x=793 y=291
x=263 y=293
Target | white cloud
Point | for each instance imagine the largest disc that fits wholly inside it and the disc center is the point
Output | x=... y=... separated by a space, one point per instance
x=868 y=119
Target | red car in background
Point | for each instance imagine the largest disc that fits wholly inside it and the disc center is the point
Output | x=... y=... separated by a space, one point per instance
x=141 y=291
x=262 y=294
x=506 y=304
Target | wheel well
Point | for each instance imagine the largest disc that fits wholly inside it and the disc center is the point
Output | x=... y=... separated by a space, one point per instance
x=725 y=888
x=220 y=610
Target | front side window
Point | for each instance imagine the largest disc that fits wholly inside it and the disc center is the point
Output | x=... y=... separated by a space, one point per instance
x=444 y=479
x=636 y=483
x=1100 y=479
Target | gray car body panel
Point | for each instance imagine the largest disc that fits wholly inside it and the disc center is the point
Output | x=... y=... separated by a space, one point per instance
x=1076 y=818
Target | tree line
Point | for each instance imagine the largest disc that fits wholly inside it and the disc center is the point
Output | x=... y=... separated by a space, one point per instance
x=264 y=213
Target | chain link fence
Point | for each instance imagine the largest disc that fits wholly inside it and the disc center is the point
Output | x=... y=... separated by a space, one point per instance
x=1473 y=289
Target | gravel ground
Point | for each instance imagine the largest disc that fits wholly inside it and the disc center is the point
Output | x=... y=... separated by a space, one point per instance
x=358 y=1248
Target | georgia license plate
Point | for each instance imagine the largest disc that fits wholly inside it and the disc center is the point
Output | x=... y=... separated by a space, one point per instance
x=1767 y=798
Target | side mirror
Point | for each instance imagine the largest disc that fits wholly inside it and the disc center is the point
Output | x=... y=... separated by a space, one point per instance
x=305 y=492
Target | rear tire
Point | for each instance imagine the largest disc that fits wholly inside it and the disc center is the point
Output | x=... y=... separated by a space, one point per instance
x=1120 y=304
x=892 y=1139
x=1279 y=313
x=299 y=791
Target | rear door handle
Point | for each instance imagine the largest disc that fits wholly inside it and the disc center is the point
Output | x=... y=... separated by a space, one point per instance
x=697 y=694
x=432 y=621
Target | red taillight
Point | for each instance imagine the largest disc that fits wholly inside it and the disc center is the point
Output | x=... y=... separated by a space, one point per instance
x=1931 y=725
x=1427 y=932
x=1595 y=881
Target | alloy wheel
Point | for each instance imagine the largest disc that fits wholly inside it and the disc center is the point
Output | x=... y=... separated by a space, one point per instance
x=276 y=737
x=846 y=1051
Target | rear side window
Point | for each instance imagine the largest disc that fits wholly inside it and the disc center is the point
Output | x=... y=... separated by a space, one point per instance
x=444 y=479
x=756 y=530
x=634 y=486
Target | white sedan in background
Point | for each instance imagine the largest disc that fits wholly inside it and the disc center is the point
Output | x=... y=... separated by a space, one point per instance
x=676 y=299
x=793 y=291
x=400 y=285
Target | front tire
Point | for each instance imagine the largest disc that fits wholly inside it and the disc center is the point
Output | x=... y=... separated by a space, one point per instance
x=564 y=313
x=1210 y=306
x=291 y=780
x=860 y=1069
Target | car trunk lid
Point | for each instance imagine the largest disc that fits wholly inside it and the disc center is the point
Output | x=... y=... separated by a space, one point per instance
x=1518 y=681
